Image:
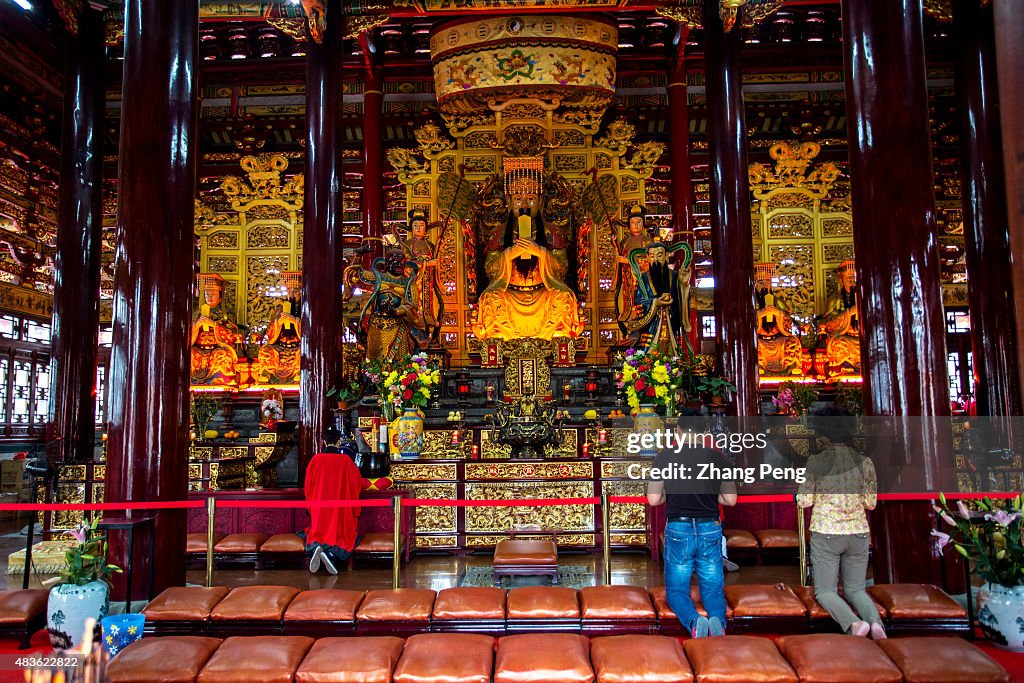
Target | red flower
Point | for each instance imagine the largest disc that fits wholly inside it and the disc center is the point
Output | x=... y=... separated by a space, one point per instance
x=407 y=395
x=405 y=381
x=651 y=392
x=640 y=384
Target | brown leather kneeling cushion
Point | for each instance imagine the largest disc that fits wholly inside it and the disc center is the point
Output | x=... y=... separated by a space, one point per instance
x=661 y=606
x=470 y=603
x=827 y=658
x=171 y=659
x=325 y=604
x=738 y=659
x=283 y=543
x=376 y=542
x=196 y=543
x=240 y=543
x=814 y=608
x=777 y=538
x=254 y=603
x=763 y=600
x=524 y=551
x=639 y=659
x=397 y=604
x=256 y=659
x=740 y=539
x=942 y=660
x=184 y=603
x=916 y=601
x=543 y=602
x=615 y=602
x=446 y=658
x=543 y=658
x=19 y=606
x=367 y=659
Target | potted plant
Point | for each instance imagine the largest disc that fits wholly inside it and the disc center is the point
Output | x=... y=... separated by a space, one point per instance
x=717 y=387
x=82 y=591
x=346 y=393
x=802 y=396
x=203 y=410
x=990 y=539
x=407 y=385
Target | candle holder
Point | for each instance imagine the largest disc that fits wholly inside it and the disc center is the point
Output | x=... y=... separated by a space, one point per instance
x=590 y=386
x=490 y=390
x=567 y=392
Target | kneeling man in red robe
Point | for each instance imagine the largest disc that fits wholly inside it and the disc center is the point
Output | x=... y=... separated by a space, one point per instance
x=333 y=531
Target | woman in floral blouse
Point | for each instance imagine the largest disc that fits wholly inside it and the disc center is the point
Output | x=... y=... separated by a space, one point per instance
x=841 y=486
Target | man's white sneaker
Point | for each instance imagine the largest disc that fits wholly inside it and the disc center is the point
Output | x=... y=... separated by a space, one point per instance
x=326 y=559
x=314 y=562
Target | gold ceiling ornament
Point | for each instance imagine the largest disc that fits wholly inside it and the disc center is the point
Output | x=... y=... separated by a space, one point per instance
x=292 y=27
x=204 y=216
x=523 y=141
x=792 y=160
x=729 y=11
x=645 y=156
x=459 y=122
x=406 y=163
x=941 y=10
x=264 y=174
x=432 y=140
x=316 y=14
x=688 y=12
x=618 y=137
x=69 y=11
x=354 y=25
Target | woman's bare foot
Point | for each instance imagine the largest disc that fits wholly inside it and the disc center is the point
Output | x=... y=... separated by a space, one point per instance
x=877 y=632
x=860 y=629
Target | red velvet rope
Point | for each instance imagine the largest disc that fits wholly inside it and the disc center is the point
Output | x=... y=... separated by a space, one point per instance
x=414 y=502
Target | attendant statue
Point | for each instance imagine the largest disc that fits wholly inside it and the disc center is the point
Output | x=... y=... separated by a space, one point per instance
x=390 y=312
x=214 y=338
x=662 y=308
x=841 y=325
x=278 y=359
x=779 y=351
x=426 y=291
x=213 y=350
x=526 y=263
x=625 y=280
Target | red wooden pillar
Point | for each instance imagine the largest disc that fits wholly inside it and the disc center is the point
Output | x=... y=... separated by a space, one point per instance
x=149 y=367
x=730 y=211
x=903 y=330
x=76 y=312
x=322 y=237
x=373 y=155
x=1009 y=45
x=679 y=157
x=985 y=215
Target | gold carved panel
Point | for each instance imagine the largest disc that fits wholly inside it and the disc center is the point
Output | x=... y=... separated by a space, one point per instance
x=525 y=470
x=563 y=539
x=437 y=443
x=262 y=273
x=233 y=452
x=629 y=539
x=401 y=471
x=222 y=264
x=222 y=239
x=434 y=519
x=99 y=472
x=620 y=470
x=562 y=517
x=68 y=519
x=268 y=236
x=626 y=515
x=436 y=541
x=73 y=473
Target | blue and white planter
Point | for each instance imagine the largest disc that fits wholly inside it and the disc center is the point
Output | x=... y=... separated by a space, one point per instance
x=1001 y=615
x=68 y=608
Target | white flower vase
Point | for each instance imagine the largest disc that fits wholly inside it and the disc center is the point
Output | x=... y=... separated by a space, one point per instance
x=1001 y=615
x=68 y=608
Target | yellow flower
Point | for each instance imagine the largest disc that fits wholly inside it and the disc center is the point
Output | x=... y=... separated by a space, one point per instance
x=659 y=374
x=661 y=391
x=425 y=392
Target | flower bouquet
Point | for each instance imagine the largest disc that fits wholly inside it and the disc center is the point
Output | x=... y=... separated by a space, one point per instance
x=407 y=382
x=650 y=377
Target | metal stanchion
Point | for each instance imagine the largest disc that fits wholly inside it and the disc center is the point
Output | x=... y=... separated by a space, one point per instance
x=396 y=504
x=211 y=517
x=606 y=534
x=801 y=534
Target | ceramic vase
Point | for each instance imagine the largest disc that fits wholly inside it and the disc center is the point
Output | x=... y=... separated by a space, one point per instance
x=68 y=608
x=647 y=421
x=1001 y=615
x=410 y=433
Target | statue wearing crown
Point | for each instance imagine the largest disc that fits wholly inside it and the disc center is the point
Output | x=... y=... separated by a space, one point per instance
x=841 y=325
x=526 y=263
x=426 y=289
x=626 y=280
x=779 y=351
x=214 y=338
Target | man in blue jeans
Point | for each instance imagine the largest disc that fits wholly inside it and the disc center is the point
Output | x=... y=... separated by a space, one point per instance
x=693 y=533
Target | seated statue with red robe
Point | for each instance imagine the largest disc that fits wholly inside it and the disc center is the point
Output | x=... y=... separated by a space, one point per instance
x=333 y=532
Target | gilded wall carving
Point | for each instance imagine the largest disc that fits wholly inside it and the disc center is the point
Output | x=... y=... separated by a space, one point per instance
x=562 y=517
x=402 y=471
x=430 y=518
x=262 y=273
x=525 y=470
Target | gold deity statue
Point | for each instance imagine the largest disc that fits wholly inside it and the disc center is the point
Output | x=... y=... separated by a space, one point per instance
x=526 y=264
x=426 y=290
x=636 y=237
x=779 y=351
x=213 y=338
x=841 y=325
x=389 y=313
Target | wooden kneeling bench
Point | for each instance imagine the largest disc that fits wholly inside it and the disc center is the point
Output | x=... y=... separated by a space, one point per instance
x=526 y=557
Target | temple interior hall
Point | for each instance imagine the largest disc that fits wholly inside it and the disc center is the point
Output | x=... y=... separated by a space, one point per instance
x=524 y=341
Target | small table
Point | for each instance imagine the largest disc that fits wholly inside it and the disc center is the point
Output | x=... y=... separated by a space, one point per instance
x=515 y=557
x=129 y=525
